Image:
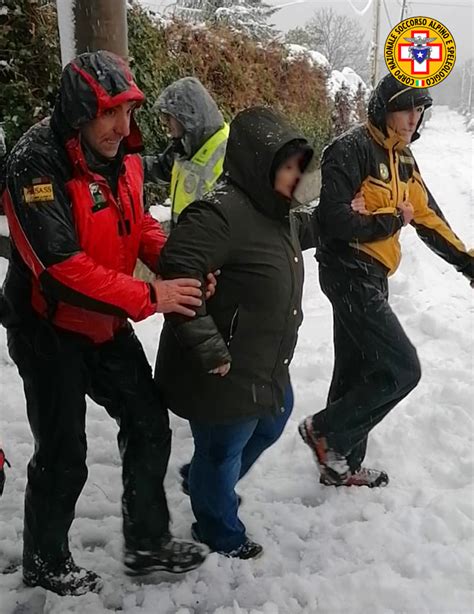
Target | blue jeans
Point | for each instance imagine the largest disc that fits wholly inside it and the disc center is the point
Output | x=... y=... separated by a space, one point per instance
x=223 y=453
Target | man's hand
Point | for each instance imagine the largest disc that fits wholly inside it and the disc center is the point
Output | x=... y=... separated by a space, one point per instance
x=177 y=295
x=407 y=211
x=222 y=370
x=211 y=283
x=358 y=204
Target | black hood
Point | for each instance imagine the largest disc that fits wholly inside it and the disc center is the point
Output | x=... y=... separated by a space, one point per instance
x=256 y=136
x=391 y=95
x=90 y=84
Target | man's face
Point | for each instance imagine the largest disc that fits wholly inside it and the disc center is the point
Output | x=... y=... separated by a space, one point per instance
x=105 y=133
x=173 y=127
x=288 y=175
x=404 y=123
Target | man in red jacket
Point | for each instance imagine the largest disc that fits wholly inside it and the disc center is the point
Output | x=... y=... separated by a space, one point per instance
x=75 y=211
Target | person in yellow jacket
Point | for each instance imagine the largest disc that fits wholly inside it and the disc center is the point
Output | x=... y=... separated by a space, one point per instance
x=193 y=161
x=375 y=364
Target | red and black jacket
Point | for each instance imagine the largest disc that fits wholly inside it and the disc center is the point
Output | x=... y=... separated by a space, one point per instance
x=75 y=242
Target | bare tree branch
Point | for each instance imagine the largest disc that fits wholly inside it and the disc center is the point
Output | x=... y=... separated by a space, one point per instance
x=336 y=36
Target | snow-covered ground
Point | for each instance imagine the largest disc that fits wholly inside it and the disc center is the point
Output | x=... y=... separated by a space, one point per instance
x=403 y=549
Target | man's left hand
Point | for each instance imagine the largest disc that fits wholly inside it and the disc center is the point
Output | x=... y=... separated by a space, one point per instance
x=211 y=283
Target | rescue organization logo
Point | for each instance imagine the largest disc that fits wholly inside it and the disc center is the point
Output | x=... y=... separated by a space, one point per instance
x=420 y=52
x=40 y=191
x=383 y=170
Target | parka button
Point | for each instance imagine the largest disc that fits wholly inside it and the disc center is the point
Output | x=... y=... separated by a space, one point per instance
x=296 y=258
x=282 y=410
x=286 y=361
x=295 y=312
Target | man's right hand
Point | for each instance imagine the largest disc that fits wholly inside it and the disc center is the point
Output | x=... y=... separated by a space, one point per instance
x=222 y=370
x=407 y=211
x=358 y=204
x=177 y=295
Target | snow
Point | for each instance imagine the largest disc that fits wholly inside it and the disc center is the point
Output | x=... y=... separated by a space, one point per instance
x=353 y=79
x=403 y=549
x=66 y=23
x=347 y=78
x=315 y=58
x=161 y=213
x=4 y=230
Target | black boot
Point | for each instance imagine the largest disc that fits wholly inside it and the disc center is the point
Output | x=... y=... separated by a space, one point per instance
x=64 y=578
x=248 y=550
x=172 y=554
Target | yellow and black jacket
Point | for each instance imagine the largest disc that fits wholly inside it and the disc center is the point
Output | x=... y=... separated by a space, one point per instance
x=372 y=158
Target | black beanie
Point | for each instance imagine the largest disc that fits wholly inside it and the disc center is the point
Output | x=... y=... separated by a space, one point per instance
x=396 y=96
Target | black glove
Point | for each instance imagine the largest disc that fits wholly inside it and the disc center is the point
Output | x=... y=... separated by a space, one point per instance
x=3 y=462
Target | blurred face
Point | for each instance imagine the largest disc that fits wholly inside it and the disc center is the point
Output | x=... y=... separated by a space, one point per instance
x=288 y=175
x=105 y=133
x=172 y=126
x=404 y=123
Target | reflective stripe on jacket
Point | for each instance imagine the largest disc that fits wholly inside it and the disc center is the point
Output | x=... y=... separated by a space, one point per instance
x=192 y=179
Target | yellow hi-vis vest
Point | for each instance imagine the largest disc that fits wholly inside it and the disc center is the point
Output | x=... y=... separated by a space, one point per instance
x=191 y=179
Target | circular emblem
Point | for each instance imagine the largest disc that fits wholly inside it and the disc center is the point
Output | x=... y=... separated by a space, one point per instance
x=383 y=170
x=420 y=52
x=190 y=183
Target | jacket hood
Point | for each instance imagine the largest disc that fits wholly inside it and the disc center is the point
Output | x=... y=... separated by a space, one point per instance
x=188 y=101
x=391 y=95
x=256 y=137
x=90 y=84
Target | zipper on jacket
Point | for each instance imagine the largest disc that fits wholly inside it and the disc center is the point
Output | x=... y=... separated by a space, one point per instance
x=123 y=224
x=173 y=203
x=132 y=206
x=292 y=261
x=122 y=221
x=397 y=178
x=233 y=325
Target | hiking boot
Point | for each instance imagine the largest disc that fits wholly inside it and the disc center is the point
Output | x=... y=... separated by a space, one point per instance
x=173 y=555
x=184 y=473
x=372 y=478
x=248 y=550
x=3 y=462
x=331 y=463
x=65 y=578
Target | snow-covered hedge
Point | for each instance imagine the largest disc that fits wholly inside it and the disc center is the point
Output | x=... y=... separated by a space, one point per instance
x=237 y=70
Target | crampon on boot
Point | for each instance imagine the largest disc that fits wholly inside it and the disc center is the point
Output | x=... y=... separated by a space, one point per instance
x=372 y=478
x=330 y=462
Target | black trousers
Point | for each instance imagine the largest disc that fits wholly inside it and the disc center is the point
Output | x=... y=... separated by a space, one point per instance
x=58 y=370
x=375 y=364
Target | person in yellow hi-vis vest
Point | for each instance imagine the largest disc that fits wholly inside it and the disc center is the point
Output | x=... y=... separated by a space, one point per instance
x=192 y=162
